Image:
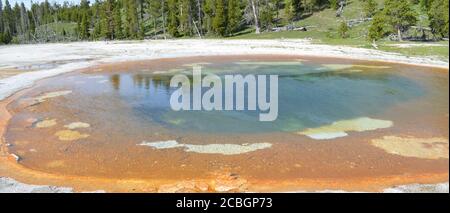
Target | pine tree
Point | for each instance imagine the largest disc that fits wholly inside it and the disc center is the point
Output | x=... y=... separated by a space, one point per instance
x=172 y=19
x=377 y=29
x=84 y=26
x=84 y=20
x=400 y=15
x=185 y=16
x=439 y=15
x=1 y=20
x=267 y=14
x=24 y=22
x=334 y=4
x=425 y=4
x=234 y=16
x=308 y=6
x=32 y=21
x=289 y=10
x=96 y=33
x=7 y=36
x=118 y=30
x=370 y=8
x=106 y=15
x=17 y=30
x=153 y=9
x=219 y=20
x=208 y=9
x=8 y=20
x=164 y=16
x=343 y=29
x=131 y=25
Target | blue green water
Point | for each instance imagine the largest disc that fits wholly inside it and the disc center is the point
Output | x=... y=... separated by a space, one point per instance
x=309 y=96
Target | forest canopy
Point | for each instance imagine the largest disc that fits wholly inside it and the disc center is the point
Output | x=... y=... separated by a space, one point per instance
x=155 y=19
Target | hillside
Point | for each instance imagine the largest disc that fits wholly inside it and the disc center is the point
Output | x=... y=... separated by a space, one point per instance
x=322 y=27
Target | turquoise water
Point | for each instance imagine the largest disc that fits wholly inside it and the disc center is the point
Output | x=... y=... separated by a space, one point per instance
x=309 y=96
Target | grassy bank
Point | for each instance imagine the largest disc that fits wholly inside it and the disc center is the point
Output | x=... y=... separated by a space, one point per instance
x=322 y=28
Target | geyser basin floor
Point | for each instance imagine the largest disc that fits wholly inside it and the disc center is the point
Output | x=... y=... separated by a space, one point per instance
x=113 y=122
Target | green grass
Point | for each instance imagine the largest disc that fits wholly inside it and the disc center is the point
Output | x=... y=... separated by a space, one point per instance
x=439 y=52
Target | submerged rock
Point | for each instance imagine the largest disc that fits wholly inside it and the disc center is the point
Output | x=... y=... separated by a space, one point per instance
x=76 y=125
x=70 y=135
x=427 y=148
x=46 y=123
x=49 y=95
x=340 y=128
x=55 y=164
x=176 y=121
x=224 y=149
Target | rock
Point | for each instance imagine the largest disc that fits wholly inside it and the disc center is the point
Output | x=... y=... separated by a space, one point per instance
x=15 y=157
x=48 y=95
x=76 y=125
x=70 y=135
x=46 y=123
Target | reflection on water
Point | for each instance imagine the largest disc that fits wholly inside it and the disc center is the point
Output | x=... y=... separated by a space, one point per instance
x=309 y=96
x=115 y=81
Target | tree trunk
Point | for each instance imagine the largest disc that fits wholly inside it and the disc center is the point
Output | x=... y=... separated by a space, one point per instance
x=200 y=24
x=399 y=34
x=163 y=20
x=154 y=26
x=196 y=28
x=255 y=15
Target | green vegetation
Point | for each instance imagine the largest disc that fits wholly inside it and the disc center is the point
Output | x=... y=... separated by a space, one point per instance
x=343 y=30
x=358 y=23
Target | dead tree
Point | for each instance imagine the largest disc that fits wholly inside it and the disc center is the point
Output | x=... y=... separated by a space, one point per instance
x=342 y=4
x=255 y=15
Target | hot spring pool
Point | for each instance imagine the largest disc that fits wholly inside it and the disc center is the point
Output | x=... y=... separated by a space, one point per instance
x=336 y=119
